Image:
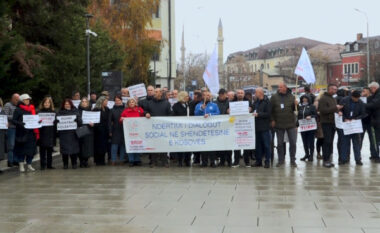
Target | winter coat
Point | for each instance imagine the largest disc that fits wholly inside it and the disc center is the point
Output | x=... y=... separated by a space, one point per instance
x=211 y=109
x=101 y=132
x=223 y=105
x=86 y=143
x=306 y=110
x=263 y=108
x=327 y=108
x=284 y=117
x=157 y=107
x=192 y=106
x=352 y=110
x=374 y=107
x=115 y=127
x=26 y=139
x=68 y=140
x=9 y=109
x=143 y=103
x=181 y=109
x=132 y=112
x=47 y=133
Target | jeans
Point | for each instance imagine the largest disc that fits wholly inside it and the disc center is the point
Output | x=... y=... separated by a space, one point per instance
x=134 y=157
x=114 y=150
x=346 y=147
x=328 y=134
x=46 y=156
x=292 y=135
x=11 y=134
x=372 y=142
x=308 y=138
x=22 y=158
x=263 y=146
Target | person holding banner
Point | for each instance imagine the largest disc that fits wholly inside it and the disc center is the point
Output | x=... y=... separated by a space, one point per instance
x=86 y=143
x=132 y=110
x=68 y=140
x=353 y=109
x=26 y=139
x=307 y=111
x=181 y=108
x=3 y=132
x=374 y=106
x=47 y=135
x=206 y=108
x=262 y=109
x=101 y=131
x=116 y=131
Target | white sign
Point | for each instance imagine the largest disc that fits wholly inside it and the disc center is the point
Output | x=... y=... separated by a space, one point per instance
x=31 y=121
x=138 y=90
x=338 y=121
x=239 y=108
x=3 y=122
x=47 y=118
x=352 y=127
x=76 y=103
x=187 y=134
x=90 y=117
x=307 y=125
x=364 y=99
x=66 y=123
x=110 y=104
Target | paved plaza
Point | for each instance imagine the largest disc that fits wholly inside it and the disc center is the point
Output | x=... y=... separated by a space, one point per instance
x=307 y=199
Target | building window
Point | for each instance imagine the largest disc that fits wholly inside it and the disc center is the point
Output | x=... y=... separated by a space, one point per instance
x=352 y=68
x=157 y=13
x=255 y=67
x=347 y=48
x=156 y=57
x=356 y=68
x=356 y=47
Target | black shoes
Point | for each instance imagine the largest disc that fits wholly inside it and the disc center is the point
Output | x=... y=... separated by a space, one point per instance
x=10 y=164
x=359 y=163
x=266 y=165
x=304 y=158
x=328 y=164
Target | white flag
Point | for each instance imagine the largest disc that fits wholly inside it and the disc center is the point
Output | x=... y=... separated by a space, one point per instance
x=211 y=75
x=304 y=68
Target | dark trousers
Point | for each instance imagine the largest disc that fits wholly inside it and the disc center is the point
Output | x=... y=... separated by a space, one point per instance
x=308 y=138
x=319 y=145
x=346 y=147
x=340 y=143
x=206 y=156
x=183 y=157
x=159 y=157
x=292 y=136
x=372 y=142
x=328 y=133
x=46 y=157
x=99 y=158
x=246 y=156
x=263 y=146
x=197 y=157
x=65 y=159
x=377 y=135
x=225 y=156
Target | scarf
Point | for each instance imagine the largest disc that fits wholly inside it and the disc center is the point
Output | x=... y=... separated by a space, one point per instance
x=30 y=108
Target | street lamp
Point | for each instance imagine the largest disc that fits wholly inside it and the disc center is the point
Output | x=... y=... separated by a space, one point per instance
x=365 y=14
x=88 y=34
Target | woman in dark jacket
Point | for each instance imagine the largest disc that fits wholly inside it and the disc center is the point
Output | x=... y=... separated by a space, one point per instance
x=86 y=142
x=101 y=131
x=47 y=135
x=181 y=108
x=116 y=130
x=307 y=111
x=69 y=143
x=26 y=139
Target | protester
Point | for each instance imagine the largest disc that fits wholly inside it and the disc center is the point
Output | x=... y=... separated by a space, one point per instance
x=307 y=111
x=319 y=132
x=143 y=103
x=374 y=107
x=68 y=140
x=240 y=96
x=223 y=105
x=9 y=109
x=132 y=110
x=181 y=108
x=86 y=142
x=309 y=94
x=352 y=109
x=93 y=98
x=3 y=133
x=47 y=136
x=207 y=108
x=231 y=96
x=367 y=127
x=101 y=131
x=284 y=121
x=158 y=106
x=116 y=131
x=327 y=107
x=75 y=95
x=124 y=92
x=26 y=139
x=340 y=95
x=261 y=111
x=196 y=100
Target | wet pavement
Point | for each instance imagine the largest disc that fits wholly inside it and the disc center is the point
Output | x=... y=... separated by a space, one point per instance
x=307 y=199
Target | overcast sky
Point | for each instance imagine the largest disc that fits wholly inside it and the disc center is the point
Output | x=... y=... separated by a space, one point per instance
x=249 y=23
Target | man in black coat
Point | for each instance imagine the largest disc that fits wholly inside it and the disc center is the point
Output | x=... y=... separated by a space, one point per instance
x=197 y=99
x=143 y=103
x=158 y=106
x=223 y=105
x=367 y=126
x=262 y=111
x=374 y=107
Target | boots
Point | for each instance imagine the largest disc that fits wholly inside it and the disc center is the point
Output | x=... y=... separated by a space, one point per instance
x=311 y=157
x=304 y=158
x=21 y=167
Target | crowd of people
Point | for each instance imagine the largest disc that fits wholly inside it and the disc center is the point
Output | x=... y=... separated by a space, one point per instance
x=278 y=115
